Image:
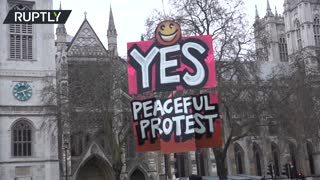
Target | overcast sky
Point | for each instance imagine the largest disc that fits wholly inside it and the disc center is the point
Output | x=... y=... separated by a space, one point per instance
x=130 y=16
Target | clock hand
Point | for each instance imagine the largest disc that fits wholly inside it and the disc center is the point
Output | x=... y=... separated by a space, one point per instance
x=23 y=91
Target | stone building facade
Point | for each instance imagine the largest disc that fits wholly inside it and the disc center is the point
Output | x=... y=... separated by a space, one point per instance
x=28 y=134
x=282 y=40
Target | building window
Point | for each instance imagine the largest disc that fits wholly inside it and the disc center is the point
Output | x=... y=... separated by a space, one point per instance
x=316 y=30
x=310 y=157
x=76 y=143
x=318 y=58
x=272 y=126
x=283 y=49
x=22 y=139
x=21 y=39
x=180 y=164
x=257 y=158
x=276 y=157
x=239 y=157
x=292 y=150
x=200 y=160
x=298 y=32
x=131 y=146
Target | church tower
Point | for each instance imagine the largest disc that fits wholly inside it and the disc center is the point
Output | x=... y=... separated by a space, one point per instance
x=270 y=36
x=302 y=19
x=28 y=133
x=112 y=35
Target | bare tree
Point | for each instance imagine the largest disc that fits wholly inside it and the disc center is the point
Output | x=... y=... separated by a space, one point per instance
x=239 y=86
x=294 y=102
x=94 y=101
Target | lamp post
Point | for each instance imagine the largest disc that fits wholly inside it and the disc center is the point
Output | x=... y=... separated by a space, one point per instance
x=66 y=144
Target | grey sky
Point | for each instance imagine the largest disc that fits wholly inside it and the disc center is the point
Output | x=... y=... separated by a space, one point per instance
x=130 y=16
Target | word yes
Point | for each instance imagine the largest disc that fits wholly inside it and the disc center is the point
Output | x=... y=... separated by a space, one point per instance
x=179 y=64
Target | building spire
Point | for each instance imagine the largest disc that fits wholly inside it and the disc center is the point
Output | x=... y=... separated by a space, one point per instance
x=61 y=31
x=276 y=12
x=268 y=6
x=111 y=20
x=257 y=14
x=112 y=34
x=269 y=12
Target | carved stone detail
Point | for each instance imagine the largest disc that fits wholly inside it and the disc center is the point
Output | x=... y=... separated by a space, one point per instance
x=86 y=43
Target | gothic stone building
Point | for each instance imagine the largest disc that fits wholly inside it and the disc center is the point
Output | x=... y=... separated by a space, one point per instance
x=281 y=40
x=28 y=137
x=84 y=144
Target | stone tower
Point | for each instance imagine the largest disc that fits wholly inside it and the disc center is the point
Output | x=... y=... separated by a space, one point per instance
x=112 y=35
x=28 y=137
x=302 y=19
x=270 y=37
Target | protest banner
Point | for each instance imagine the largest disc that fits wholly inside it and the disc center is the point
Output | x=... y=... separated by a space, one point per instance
x=172 y=63
x=177 y=124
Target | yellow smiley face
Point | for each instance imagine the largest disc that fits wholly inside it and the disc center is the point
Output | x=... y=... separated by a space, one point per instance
x=168 y=33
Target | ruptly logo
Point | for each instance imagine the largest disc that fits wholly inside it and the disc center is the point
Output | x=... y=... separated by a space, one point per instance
x=37 y=17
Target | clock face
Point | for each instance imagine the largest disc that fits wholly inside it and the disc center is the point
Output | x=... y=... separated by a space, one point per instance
x=22 y=91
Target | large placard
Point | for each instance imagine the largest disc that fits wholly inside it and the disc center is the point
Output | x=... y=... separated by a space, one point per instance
x=156 y=66
x=177 y=124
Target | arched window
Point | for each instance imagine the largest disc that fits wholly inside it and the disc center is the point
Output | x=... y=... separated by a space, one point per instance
x=298 y=32
x=200 y=159
x=283 y=49
x=310 y=157
x=239 y=157
x=131 y=147
x=316 y=30
x=257 y=158
x=272 y=126
x=180 y=164
x=202 y=164
x=292 y=150
x=21 y=38
x=275 y=158
x=137 y=175
x=76 y=143
x=22 y=139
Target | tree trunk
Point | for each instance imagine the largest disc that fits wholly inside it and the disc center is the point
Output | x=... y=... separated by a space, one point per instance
x=117 y=168
x=220 y=157
x=117 y=175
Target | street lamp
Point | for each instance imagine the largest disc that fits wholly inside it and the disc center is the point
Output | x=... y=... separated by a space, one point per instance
x=66 y=144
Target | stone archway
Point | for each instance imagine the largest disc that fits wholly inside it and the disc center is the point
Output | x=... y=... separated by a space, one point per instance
x=257 y=154
x=310 y=158
x=239 y=158
x=95 y=168
x=137 y=175
x=275 y=158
